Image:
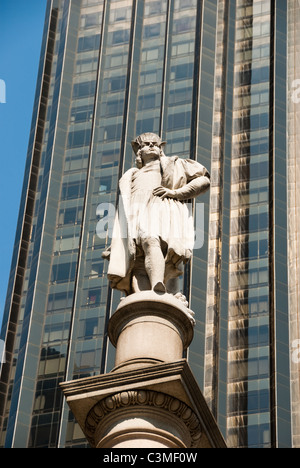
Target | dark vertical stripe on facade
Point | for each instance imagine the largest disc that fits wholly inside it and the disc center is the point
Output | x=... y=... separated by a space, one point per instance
x=272 y=236
x=163 y=89
x=196 y=84
x=194 y=125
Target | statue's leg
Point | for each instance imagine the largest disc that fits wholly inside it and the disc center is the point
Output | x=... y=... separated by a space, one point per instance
x=140 y=280
x=154 y=263
x=173 y=283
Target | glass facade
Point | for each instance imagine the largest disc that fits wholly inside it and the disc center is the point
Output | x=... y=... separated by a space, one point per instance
x=212 y=78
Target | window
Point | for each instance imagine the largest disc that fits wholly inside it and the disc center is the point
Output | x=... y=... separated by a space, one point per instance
x=154 y=8
x=82 y=114
x=60 y=301
x=84 y=89
x=259 y=170
x=93 y=297
x=105 y=184
x=258 y=367
x=115 y=107
x=121 y=37
x=182 y=72
x=184 y=24
x=96 y=269
x=149 y=77
x=56 y=332
x=146 y=102
x=259 y=121
x=76 y=163
x=90 y=327
x=117 y=83
x=109 y=158
x=89 y=43
x=67 y=244
x=258 y=336
x=152 y=30
x=150 y=54
x=180 y=120
x=48 y=396
x=120 y=14
x=92 y=20
x=86 y=65
x=73 y=190
x=79 y=138
x=258 y=401
x=113 y=132
x=63 y=272
x=146 y=125
x=118 y=60
x=67 y=216
x=180 y=96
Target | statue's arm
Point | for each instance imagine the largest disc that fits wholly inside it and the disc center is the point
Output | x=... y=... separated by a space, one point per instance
x=195 y=187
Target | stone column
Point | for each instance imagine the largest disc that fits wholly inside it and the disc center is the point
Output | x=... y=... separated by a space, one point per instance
x=150 y=399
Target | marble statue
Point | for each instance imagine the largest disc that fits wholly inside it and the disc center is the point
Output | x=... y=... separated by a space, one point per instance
x=153 y=233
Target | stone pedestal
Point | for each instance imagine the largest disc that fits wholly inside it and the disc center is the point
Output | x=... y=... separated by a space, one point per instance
x=160 y=406
x=150 y=399
x=148 y=328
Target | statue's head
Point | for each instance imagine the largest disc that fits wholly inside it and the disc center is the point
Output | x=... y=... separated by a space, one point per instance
x=144 y=140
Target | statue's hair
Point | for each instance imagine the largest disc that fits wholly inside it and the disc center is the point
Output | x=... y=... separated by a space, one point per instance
x=138 y=160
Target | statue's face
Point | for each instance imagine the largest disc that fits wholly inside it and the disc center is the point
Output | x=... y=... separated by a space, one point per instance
x=149 y=149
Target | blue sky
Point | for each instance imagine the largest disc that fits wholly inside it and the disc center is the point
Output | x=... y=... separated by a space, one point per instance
x=21 y=27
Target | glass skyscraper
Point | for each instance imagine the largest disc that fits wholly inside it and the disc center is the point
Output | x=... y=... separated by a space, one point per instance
x=218 y=80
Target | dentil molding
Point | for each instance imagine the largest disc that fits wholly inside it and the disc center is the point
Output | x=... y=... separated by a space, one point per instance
x=146 y=399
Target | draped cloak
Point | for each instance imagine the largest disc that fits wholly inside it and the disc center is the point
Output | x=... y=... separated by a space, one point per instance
x=172 y=220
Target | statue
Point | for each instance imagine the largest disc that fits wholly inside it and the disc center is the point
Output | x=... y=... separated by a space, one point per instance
x=153 y=231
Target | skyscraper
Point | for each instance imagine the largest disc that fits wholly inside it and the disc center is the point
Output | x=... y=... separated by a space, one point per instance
x=217 y=79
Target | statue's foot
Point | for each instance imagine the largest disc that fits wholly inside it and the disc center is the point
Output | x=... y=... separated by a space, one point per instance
x=159 y=287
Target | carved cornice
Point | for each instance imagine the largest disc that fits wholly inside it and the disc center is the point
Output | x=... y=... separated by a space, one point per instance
x=143 y=399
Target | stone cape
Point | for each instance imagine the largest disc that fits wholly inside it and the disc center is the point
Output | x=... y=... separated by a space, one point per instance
x=175 y=174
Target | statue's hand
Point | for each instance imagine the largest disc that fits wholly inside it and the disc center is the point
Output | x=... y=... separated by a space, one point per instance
x=164 y=192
